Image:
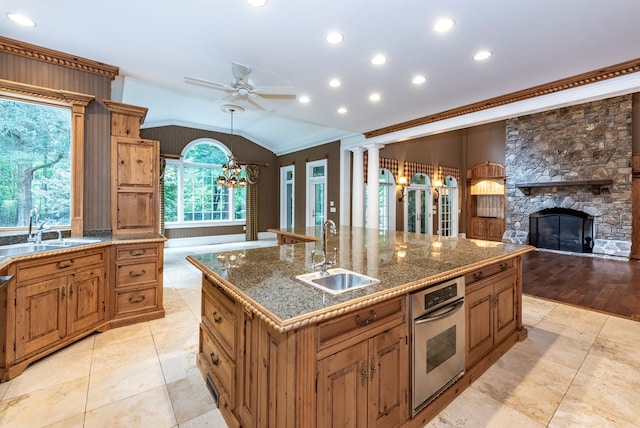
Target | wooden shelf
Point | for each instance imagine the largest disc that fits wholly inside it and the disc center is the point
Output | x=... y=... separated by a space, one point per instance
x=595 y=185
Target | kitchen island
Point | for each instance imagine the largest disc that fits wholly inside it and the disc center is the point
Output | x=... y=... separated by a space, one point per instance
x=278 y=352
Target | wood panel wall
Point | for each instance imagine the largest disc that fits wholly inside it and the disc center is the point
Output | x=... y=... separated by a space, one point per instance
x=173 y=140
x=331 y=152
x=97 y=206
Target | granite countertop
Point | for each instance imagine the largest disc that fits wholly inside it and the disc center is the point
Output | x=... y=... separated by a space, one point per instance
x=263 y=279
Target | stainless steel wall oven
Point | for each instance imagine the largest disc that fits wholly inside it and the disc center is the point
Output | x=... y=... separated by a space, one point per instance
x=437 y=340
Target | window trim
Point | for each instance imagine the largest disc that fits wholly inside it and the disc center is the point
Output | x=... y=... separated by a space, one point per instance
x=181 y=224
x=78 y=102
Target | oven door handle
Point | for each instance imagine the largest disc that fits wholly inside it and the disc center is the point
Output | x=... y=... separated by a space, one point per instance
x=440 y=313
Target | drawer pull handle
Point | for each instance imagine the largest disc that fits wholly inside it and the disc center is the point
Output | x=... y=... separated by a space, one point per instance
x=363 y=374
x=64 y=265
x=62 y=294
x=136 y=274
x=214 y=360
x=136 y=253
x=504 y=266
x=372 y=316
x=70 y=291
x=216 y=319
x=372 y=368
x=478 y=275
x=138 y=299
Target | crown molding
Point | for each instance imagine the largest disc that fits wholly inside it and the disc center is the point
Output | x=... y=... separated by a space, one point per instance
x=53 y=57
x=605 y=73
x=32 y=91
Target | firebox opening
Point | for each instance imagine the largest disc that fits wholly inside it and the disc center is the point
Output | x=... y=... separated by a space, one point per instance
x=561 y=229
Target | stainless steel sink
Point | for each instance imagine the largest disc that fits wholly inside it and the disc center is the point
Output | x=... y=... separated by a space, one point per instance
x=337 y=281
x=27 y=248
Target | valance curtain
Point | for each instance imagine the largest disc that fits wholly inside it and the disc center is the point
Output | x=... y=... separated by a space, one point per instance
x=388 y=163
x=252 y=173
x=413 y=168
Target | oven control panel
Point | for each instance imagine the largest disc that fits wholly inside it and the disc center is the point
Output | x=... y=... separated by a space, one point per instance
x=436 y=297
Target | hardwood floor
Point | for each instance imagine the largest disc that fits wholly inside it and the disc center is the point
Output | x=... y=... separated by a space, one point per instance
x=604 y=285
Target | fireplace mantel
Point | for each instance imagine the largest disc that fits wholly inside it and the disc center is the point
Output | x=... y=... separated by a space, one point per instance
x=595 y=185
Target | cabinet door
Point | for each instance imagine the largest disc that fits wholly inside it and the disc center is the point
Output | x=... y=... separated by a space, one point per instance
x=86 y=299
x=505 y=310
x=478 y=228
x=479 y=319
x=388 y=378
x=41 y=315
x=247 y=370
x=342 y=388
x=495 y=229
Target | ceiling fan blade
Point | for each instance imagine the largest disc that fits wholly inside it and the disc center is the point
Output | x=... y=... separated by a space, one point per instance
x=276 y=91
x=240 y=72
x=207 y=83
x=259 y=102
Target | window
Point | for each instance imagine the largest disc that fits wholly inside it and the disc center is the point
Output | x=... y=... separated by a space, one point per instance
x=448 y=207
x=192 y=194
x=35 y=166
x=386 y=201
x=287 y=196
x=316 y=195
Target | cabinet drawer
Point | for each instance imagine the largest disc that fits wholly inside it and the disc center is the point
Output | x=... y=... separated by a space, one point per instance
x=54 y=265
x=218 y=361
x=137 y=273
x=487 y=271
x=136 y=300
x=359 y=322
x=220 y=320
x=132 y=252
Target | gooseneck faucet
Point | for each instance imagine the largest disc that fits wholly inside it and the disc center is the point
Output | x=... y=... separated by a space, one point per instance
x=322 y=264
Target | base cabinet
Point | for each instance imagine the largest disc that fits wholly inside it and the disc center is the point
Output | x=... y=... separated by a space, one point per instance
x=363 y=385
x=490 y=229
x=491 y=314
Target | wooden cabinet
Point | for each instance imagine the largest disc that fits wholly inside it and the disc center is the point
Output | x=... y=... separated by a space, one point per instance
x=365 y=385
x=486 y=203
x=491 y=309
x=135 y=174
x=58 y=299
x=138 y=275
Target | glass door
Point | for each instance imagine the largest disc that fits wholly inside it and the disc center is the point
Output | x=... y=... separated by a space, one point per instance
x=448 y=208
x=287 y=196
x=316 y=193
x=418 y=205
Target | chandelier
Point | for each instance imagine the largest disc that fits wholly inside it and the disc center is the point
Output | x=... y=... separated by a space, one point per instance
x=231 y=170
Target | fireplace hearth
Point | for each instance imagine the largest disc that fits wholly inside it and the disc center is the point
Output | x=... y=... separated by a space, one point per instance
x=561 y=229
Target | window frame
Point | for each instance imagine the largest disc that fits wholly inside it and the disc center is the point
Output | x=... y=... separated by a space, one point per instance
x=77 y=102
x=180 y=163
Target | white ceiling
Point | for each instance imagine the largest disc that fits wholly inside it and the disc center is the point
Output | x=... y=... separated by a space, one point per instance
x=156 y=43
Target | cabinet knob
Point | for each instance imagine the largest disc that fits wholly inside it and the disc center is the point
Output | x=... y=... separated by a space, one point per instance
x=361 y=322
x=478 y=275
x=216 y=319
x=214 y=359
x=363 y=373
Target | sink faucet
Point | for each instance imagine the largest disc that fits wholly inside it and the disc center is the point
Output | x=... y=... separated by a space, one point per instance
x=322 y=264
x=32 y=212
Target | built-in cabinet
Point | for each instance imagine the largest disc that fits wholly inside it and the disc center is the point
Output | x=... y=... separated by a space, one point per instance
x=486 y=201
x=135 y=174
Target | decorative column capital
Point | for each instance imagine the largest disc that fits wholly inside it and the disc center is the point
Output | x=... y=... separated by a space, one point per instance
x=358 y=149
x=374 y=146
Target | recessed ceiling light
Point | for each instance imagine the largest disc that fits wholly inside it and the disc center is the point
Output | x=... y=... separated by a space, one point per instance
x=482 y=55
x=418 y=79
x=21 y=19
x=304 y=99
x=334 y=83
x=378 y=59
x=334 y=38
x=342 y=110
x=257 y=3
x=375 y=97
x=444 y=24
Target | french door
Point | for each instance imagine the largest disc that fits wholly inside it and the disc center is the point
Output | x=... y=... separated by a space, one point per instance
x=316 y=193
x=417 y=209
x=287 y=196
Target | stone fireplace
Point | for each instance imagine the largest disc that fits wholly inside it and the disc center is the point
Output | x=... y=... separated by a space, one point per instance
x=576 y=158
x=561 y=229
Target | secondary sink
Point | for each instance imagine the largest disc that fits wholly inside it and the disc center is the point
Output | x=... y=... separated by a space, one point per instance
x=337 y=281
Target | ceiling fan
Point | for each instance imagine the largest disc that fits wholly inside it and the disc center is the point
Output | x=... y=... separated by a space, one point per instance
x=243 y=88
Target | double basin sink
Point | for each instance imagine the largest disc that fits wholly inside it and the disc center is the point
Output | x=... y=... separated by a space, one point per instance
x=28 y=248
x=337 y=280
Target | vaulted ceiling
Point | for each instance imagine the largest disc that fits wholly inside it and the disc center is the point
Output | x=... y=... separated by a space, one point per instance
x=157 y=44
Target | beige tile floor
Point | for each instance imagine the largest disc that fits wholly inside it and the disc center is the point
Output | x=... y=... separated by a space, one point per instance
x=577 y=368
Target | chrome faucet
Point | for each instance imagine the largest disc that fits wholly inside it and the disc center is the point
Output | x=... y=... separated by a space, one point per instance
x=32 y=212
x=322 y=264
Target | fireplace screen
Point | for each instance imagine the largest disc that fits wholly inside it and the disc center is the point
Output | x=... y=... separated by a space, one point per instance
x=561 y=229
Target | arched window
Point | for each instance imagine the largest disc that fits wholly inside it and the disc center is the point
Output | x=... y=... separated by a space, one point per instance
x=192 y=194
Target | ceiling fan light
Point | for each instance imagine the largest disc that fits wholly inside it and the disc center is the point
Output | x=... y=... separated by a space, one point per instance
x=375 y=97
x=257 y=3
x=334 y=83
x=378 y=59
x=342 y=110
x=304 y=99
